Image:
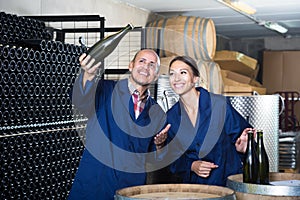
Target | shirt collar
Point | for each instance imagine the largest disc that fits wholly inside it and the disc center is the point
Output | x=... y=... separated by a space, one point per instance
x=132 y=89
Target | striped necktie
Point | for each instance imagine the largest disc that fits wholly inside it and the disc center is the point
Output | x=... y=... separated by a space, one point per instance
x=137 y=104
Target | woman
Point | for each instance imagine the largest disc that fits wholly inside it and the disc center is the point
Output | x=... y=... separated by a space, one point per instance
x=207 y=136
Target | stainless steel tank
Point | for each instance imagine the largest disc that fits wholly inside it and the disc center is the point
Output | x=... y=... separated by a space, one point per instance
x=166 y=97
x=263 y=113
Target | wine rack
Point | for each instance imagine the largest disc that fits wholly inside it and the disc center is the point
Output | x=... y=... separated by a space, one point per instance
x=15 y=28
x=40 y=163
x=42 y=135
x=35 y=87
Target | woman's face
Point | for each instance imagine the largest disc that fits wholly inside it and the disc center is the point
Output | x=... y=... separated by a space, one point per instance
x=181 y=77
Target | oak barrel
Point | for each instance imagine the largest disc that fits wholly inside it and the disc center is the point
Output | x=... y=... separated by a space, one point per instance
x=214 y=79
x=175 y=191
x=282 y=186
x=183 y=35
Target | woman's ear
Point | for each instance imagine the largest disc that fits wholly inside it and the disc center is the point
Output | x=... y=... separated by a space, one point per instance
x=196 y=79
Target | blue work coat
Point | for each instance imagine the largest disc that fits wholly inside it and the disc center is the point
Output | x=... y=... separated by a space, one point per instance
x=212 y=139
x=116 y=142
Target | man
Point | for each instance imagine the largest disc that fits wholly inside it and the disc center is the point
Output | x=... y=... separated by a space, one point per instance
x=118 y=132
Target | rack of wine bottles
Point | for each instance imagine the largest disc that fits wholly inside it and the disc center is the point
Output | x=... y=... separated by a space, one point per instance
x=36 y=84
x=40 y=163
x=41 y=133
x=15 y=28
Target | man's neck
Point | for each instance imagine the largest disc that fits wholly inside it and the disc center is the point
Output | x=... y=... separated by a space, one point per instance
x=134 y=86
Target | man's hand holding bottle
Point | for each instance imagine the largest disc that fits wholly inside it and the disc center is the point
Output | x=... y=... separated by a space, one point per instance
x=89 y=66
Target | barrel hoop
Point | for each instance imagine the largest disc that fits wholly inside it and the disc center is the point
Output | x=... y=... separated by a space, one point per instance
x=263 y=189
x=155 y=39
x=205 y=37
x=148 y=33
x=211 y=69
x=199 y=39
x=214 y=68
x=194 y=40
x=162 y=37
x=204 y=51
x=186 y=35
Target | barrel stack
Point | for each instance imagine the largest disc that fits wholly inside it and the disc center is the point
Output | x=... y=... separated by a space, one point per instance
x=186 y=35
x=225 y=72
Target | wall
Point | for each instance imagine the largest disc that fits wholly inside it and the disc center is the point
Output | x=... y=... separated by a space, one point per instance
x=280 y=43
x=116 y=13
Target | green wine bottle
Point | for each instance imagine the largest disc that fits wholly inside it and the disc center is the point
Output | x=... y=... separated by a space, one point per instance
x=263 y=160
x=250 y=164
x=107 y=45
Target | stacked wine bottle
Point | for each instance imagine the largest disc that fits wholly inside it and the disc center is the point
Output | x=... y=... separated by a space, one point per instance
x=36 y=83
x=41 y=164
x=41 y=134
x=15 y=28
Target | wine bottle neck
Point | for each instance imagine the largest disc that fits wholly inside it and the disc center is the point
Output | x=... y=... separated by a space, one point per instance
x=260 y=137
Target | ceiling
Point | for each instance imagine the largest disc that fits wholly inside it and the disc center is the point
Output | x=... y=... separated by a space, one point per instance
x=228 y=22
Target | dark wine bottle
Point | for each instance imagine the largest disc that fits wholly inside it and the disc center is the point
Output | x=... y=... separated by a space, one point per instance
x=263 y=160
x=106 y=46
x=250 y=167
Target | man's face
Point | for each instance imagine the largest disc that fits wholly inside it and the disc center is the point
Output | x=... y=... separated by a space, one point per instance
x=144 y=68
